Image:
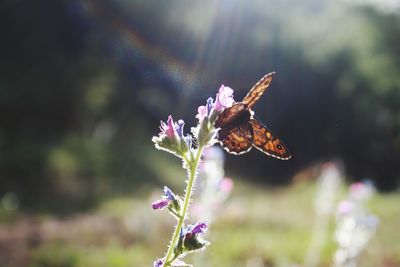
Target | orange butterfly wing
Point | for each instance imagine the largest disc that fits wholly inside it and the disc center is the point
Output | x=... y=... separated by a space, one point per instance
x=240 y=131
x=258 y=90
x=266 y=142
x=236 y=140
x=230 y=115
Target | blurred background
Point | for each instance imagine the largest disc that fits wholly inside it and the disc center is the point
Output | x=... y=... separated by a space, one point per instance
x=84 y=84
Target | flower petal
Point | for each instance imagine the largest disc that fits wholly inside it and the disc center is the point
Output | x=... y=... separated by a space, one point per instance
x=201 y=113
x=169 y=194
x=170 y=129
x=210 y=105
x=158 y=263
x=224 y=98
x=179 y=128
x=199 y=228
x=160 y=204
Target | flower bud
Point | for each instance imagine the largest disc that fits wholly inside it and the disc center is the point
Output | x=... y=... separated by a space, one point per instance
x=191 y=237
x=171 y=138
x=170 y=200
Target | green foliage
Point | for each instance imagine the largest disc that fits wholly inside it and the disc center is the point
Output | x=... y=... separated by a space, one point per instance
x=55 y=256
x=275 y=230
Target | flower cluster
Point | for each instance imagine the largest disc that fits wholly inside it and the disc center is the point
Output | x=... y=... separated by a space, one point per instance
x=188 y=238
x=355 y=226
x=208 y=114
x=171 y=138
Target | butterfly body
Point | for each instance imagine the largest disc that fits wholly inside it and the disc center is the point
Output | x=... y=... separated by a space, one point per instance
x=233 y=115
x=240 y=131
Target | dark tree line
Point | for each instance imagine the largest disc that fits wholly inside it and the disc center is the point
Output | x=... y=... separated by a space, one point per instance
x=83 y=85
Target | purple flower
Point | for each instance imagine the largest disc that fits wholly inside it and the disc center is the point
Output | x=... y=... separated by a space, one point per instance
x=199 y=228
x=169 y=128
x=192 y=230
x=175 y=263
x=224 y=98
x=166 y=199
x=158 y=263
x=160 y=204
x=210 y=105
x=179 y=128
x=169 y=194
x=191 y=239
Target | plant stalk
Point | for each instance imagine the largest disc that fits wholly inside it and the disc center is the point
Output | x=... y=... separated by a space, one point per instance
x=192 y=176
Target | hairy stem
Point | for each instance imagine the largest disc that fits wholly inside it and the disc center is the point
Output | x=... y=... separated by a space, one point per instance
x=192 y=169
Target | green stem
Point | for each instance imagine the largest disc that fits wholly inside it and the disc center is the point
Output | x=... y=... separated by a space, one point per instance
x=188 y=194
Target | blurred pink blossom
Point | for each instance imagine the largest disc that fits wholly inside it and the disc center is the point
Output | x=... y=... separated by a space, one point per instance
x=361 y=190
x=345 y=208
x=226 y=185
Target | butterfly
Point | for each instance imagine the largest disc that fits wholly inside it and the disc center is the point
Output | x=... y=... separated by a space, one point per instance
x=240 y=131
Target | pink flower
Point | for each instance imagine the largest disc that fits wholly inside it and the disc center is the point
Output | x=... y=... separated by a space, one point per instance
x=224 y=98
x=357 y=186
x=202 y=113
x=206 y=110
x=168 y=128
x=171 y=138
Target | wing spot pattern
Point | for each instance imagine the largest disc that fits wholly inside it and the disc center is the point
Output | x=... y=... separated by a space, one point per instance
x=240 y=131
